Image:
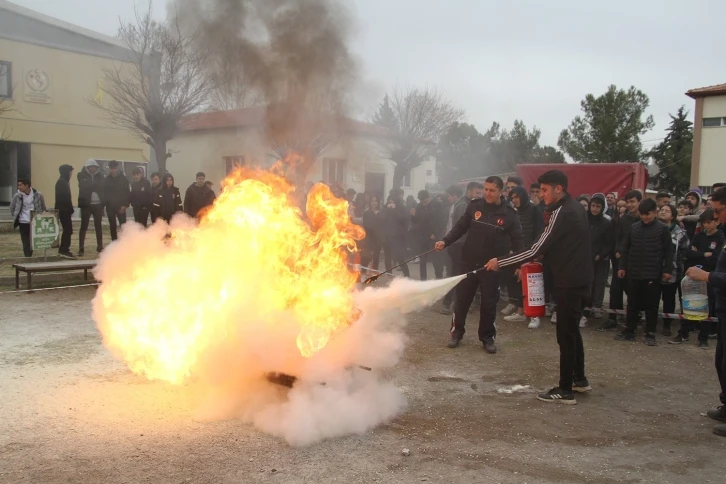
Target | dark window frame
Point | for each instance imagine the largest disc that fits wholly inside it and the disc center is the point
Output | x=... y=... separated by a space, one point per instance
x=720 y=120
x=9 y=66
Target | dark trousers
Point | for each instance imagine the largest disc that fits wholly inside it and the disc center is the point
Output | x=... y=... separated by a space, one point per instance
x=113 y=213
x=514 y=287
x=394 y=253
x=488 y=283
x=617 y=286
x=65 y=243
x=454 y=253
x=600 y=268
x=549 y=283
x=668 y=294
x=141 y=215
x=25 y=239
x=643 y=295
x=371 y=253
x=438 y=263
x=721 y=357
x=570 y=302
x=705 y=328
x=95 y=210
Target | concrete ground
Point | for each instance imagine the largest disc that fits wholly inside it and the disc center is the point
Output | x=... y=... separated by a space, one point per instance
x=71 y=413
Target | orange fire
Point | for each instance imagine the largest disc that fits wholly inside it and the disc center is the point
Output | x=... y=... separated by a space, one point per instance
x=252 y=266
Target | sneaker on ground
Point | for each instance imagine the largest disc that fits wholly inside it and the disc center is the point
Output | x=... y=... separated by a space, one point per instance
x=667 y=331
x=554 y=318
x=703 y=344
x=454 y=342
x=650 y=340
x=581 y=386
x=583 y=322
x=489 y=346
x=720 y=430
x=625 y=336
x=67 y=255
x=509 y=309
x=718 y=413
x=607 y=326
x=557 y=395
x=516 y=317
x=597 y=313
x=533 y=323
x=679 y=339
x=548 y=311
x=81 y=252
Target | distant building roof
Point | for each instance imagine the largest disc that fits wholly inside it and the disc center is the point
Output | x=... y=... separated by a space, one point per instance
x=25 y=25
x=257 y=116
x=716 y=90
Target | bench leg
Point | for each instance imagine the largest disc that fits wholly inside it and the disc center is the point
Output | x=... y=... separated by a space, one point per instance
x=30 y=281
x=85 y=274
x=17 y=279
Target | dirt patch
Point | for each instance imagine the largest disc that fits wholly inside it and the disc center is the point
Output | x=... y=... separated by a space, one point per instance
x=71 y=413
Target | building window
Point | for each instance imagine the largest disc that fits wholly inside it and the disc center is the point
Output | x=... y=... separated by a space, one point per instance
x=6 y=79
x=334 y=170
x=713 y=122
x=231 y=163
x=406 y=183
x=429 y=172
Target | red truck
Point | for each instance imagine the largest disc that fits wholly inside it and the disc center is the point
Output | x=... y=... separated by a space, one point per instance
x=590 y=178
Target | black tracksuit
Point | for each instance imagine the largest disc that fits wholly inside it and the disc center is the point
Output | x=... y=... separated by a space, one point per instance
x=141 y=199
x=491 y=229
x=88 y=185
x=601 y=245
x=167 y=202
x=618 y=285
x=717 y=280
x=703 y=244
x=117 y=194
x=395 y=224
x=647 y=254
x=423 y=233
x=64 y=205
x=565 y=244
x=373 y=243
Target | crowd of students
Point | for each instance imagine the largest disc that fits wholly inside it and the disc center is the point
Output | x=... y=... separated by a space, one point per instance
x=111 y=194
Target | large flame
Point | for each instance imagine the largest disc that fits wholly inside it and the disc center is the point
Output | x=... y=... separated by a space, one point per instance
x=252 y=264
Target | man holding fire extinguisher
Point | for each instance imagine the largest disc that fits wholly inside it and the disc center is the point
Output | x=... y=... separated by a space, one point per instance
x=492 y=229
x=565 y=245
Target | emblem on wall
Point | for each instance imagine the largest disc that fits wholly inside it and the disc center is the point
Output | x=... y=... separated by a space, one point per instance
x=37 y=86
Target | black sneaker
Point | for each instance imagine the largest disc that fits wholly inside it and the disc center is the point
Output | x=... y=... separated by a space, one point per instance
x=454 y=342
x=666 y=332
x=718 y=413
x=680 y=339
x=625 y=336
x=557 y=395
x=67 y=255
x=720 y=430
x=703 y=344
x=489 y=346
x=81 y=252
x=607 y=326
x=650 y=340
x=581 y=386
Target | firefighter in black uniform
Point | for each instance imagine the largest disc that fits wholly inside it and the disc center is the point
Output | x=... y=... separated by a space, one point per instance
x=565 y=245
x=492 y=228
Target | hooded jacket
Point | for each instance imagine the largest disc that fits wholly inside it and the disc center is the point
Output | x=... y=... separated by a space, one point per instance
x=565 y=244
x=493 y=230
x=116 y=190
x=601 y=231
x=141 y=196
x=647 y=252
x=530 y=218
x=697 y=210
x=63 y=198
x=89 y=184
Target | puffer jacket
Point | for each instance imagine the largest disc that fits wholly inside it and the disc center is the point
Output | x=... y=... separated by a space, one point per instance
x=681 y=245
x=89 y=184
x=16 y=205
x=647 y=252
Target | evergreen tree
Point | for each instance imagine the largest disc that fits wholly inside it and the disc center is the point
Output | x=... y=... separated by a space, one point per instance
x=673 y=155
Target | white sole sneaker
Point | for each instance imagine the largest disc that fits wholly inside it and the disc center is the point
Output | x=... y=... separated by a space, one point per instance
x=509 y=310
x=533 y=323
x=583 y=322
x=554 y=318
x=515 y=318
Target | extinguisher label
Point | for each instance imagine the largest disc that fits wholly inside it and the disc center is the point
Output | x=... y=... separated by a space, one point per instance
x=535 y=289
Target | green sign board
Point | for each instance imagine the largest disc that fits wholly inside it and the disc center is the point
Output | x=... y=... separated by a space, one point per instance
x=44 y=230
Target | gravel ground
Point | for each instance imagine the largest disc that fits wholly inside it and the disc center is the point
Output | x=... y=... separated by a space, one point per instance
x=70 y=413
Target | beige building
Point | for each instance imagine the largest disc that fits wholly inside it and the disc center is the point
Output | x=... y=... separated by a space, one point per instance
x=216 y=142
x=709 y=136
x=50 y=69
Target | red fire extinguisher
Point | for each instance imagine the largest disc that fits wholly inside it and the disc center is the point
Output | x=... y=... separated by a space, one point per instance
x=532 y=275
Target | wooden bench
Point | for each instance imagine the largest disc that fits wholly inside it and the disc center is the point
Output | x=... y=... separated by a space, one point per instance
x=32 y=267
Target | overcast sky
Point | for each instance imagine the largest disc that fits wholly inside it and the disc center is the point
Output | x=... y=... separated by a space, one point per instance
x=523 y=59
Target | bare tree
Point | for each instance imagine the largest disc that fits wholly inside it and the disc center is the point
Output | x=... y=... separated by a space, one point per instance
x=163 y=81
x=420 y=116
x=229 y=86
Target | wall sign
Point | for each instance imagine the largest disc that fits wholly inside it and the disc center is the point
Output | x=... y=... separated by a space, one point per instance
x=37 y=86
